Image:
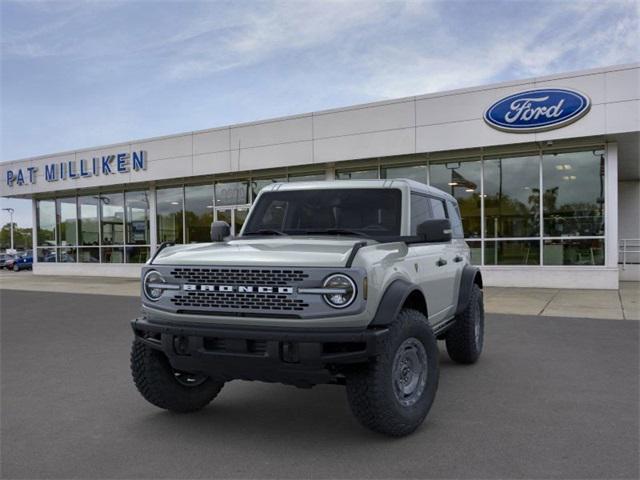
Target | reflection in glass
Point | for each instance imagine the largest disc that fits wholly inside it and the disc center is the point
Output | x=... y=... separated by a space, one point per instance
x=240 y=215
x=308 y=177
x=66 y=255
x=512 y=252
x=67 y=220
x=89 y=255
x=573 y=198
x=574 y=252
x=46 y=218
x=232 y=193
x=369 y=174
x=198 y=212
x=462 y=180
x=258 y=184
x=512 y=197
x=169 y=208
x=137 y=254
x=137 y=218
x=413 y=172
x=112 y=216
x=46 y=255
x=88 y=220
x=112 y=254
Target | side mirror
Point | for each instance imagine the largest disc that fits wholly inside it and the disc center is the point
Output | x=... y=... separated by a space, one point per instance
x=219 y=231
x=436 y=230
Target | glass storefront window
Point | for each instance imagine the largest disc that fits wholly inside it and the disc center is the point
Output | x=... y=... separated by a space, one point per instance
x=66 y=255
x=240 y=216
x=137 y=218
x=512 y=197
x=573 y=198
x=112 y=218
x=169 y=207
x=307 y=177
x=46 y=255
x=258 y=184
x=413 y=172
x=88 y=220
x=137 y=254
x=368 y=174
x=89 y=255
x=461 y=180
x=198 y=212
x=232 y=193
x=112 y=254
x=512 y=252
x=46 y=218
x=573 y=251
x=67 y=221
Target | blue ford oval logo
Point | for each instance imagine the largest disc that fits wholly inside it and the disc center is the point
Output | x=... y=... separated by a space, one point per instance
x=537 y=110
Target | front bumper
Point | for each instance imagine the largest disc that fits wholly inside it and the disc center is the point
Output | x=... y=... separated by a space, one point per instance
x=285 y=355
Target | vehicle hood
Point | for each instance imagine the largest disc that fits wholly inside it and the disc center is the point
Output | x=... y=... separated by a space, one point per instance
x=282 y=251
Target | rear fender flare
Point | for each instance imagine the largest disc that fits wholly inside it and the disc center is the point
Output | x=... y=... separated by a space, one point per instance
x=470 y=276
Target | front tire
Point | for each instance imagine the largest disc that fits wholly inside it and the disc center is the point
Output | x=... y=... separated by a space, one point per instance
x=16 y=268
x=465 y=338
x=394 y=393
x=166 y=388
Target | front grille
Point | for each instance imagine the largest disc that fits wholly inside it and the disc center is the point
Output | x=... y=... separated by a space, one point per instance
x=232 y=276
x=239 y=301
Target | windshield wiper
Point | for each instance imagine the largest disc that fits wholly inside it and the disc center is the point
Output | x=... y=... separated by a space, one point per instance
x=337 y=231
x=265 y=231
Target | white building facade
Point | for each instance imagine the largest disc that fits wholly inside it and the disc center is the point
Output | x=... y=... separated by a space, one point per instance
x=546 y=172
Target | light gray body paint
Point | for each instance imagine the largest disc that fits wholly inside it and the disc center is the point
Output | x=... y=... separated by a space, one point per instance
x=383 y=263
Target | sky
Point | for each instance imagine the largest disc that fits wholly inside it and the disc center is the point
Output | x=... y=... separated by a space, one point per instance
x=87 y=73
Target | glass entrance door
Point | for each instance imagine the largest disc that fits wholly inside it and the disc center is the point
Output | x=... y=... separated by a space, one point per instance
x=234 y=216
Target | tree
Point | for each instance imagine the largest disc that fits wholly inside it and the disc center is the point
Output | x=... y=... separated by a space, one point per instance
x=22 y=237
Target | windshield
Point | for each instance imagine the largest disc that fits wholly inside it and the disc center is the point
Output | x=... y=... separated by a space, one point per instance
x=366 y=212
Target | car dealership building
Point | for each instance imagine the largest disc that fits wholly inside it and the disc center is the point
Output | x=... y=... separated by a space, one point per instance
x=546 y=172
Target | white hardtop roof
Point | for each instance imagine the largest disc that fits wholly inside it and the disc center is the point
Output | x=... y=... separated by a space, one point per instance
x=346 y=184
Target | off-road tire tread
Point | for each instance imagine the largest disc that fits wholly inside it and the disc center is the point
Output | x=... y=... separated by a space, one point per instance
x=368 y=387
x=460 y=339
x=153 y=377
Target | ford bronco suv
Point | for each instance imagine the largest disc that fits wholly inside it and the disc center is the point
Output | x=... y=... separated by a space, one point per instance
x=345 y=282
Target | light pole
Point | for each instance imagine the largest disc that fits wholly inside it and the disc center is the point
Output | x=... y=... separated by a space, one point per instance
x=10 y=210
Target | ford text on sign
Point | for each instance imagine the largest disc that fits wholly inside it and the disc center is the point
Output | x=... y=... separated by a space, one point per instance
x=537 y=110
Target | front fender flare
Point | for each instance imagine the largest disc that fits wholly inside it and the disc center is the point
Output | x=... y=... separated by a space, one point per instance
x=392 y=300
x=470 y=276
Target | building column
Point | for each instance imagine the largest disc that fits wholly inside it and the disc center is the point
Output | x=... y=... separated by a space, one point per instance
x=153 y=217
x=34 y=230
x=611 y=205
x=330 y=171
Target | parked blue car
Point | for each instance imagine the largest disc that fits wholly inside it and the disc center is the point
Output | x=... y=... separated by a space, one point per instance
x=22 y=262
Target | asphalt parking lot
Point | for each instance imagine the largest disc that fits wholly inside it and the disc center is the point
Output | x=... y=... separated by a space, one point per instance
x=550 y=398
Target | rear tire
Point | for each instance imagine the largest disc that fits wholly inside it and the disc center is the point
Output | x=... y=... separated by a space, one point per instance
x=16 y=268
x=393 y=394
x=163 y=387
x=465 y=338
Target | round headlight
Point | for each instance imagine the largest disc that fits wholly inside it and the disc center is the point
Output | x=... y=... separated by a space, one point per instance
x=343 y=291
x=150 y=285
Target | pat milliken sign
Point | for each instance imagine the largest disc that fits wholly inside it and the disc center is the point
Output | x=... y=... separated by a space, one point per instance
x=105 y=165
x=537 y=110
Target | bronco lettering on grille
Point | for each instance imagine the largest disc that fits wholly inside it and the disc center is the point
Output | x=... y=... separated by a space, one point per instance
x=237 y=288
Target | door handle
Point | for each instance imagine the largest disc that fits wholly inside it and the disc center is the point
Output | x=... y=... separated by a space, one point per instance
x=441 y=262
x=457 y=259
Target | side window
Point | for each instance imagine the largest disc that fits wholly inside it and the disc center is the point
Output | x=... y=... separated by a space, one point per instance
x=420 y=211
x=456 y=221
x=438 y=209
